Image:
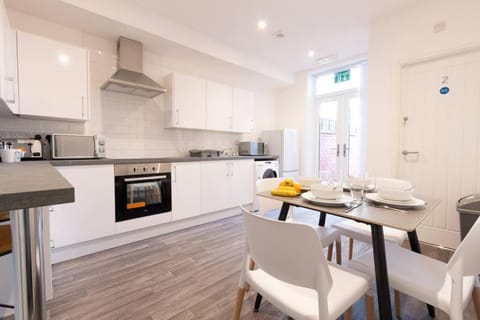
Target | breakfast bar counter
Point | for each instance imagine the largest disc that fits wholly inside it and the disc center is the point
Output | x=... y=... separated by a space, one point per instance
x=25 y=188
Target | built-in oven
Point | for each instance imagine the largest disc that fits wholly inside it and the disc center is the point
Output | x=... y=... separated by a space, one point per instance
x=142 y=190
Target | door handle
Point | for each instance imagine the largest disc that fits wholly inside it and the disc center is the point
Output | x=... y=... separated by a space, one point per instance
x=406 y=152
x=337 y=148
x=345 y=149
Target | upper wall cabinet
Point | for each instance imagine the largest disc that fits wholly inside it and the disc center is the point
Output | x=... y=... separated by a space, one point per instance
x=243 y=114
x=8 y=63
x=184 y=102
x=196 y=103
x=53 y=78
x=219 y=106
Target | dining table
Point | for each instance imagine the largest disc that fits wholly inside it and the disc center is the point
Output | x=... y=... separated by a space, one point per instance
x=377 y=216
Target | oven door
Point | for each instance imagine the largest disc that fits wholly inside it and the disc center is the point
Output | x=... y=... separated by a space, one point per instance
x=143 y=195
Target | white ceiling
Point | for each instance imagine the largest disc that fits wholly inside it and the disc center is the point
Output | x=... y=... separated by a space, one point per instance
x=337 y=27
x=225 y=30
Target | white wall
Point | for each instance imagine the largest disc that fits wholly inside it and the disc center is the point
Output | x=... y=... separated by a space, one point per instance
x=133 y=125
x=405 y=37
x=293 y=112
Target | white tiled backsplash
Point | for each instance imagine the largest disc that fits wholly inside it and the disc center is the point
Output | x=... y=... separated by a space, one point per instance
x=133 y=126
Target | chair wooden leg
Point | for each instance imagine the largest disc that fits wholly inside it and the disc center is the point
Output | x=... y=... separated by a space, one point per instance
x=369 y=308
x=251 y=266
x=347 y=315
x=330 y=252
x=338 y=251
x=238 y=303
x=398 y=305
x=476 y=300
x=350 y=249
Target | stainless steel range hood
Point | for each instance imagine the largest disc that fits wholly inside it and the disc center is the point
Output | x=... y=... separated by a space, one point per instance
x=129 y=77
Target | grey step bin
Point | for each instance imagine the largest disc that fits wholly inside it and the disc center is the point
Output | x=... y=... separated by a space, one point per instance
x=469 y=209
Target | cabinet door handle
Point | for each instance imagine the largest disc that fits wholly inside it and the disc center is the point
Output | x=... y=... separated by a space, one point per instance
x=345 y=149
x=406 y=152
x=178 y=116
x=11 y=99
x=83 y=108
x=228 y=169
x=231 y=169
x=174 y=174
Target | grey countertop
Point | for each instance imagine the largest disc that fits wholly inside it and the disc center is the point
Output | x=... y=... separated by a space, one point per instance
x=32 y=184
x=86 y=162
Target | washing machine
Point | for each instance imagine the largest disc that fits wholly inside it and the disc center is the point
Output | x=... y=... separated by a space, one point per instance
x=264 y=169
x=267 y=169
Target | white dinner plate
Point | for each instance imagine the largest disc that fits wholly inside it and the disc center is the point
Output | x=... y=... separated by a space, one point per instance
x=340 y=202
x=412 y=203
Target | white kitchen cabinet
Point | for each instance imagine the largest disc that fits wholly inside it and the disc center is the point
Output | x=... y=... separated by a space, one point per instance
x=243 y=113
x=215 y=179
x=92 y=215
x=8 y=63
x=241 y=182
x=219 y=106
x=226 y=184
x=184 y=101
x=53 y=78
x=186 y=185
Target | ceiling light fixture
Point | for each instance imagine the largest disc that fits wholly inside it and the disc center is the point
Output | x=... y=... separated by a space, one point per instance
x=311 y=53
x=326 y=59
x=261 y=24
x=279 y=34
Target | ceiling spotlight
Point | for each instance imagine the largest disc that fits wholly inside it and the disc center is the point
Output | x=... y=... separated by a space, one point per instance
x=311 y=53
x=261 y=24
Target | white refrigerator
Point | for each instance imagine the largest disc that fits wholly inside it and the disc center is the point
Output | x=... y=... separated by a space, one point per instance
x=285 y=144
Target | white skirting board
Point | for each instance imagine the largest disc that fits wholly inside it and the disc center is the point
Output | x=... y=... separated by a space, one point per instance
x=89 y=247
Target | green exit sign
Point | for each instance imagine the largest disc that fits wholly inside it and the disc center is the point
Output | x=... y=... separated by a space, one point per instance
x=342 y=76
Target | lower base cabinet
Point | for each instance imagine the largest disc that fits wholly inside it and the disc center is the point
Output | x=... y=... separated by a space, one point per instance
x=92 y=215
x=226 y=184
x=185 y=190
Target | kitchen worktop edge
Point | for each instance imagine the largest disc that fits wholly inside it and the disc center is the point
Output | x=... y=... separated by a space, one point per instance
x=86 y=162
x=31 y=185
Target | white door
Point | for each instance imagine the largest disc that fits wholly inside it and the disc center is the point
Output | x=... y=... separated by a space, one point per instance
x=439 y=128
x=339 y=135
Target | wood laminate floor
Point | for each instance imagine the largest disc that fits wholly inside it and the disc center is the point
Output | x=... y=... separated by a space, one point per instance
x=188 y=274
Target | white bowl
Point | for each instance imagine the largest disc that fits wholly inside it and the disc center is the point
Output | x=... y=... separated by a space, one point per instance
x=324 y=191
x=395 y=194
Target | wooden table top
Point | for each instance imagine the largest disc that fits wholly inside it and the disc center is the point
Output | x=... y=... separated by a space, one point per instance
x=367 y=212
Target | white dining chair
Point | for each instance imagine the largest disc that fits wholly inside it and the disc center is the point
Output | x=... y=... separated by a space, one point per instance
x=361 y=232
x=328 y=235
x=292 y=273
x=447 y=286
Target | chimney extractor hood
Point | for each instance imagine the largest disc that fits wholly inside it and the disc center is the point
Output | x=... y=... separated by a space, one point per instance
x=129 y=77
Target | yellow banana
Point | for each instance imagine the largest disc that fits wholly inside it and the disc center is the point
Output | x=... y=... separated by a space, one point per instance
x=284 y=192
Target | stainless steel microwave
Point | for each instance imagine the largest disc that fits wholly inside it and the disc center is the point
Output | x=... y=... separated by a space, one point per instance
x=75 y=146
x=251 y=148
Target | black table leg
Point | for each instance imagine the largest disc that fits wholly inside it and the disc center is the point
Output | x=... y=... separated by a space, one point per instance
x=258 y=300
x=282 y=217
x=284 y=211
x=415 y=246
x=381 y=275
x=321 y=220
